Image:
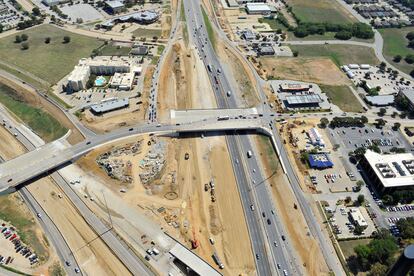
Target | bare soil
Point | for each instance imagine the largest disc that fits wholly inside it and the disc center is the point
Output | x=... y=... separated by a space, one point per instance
x=317 y=70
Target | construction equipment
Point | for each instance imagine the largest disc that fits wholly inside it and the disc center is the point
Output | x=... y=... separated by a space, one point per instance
x=194 y=242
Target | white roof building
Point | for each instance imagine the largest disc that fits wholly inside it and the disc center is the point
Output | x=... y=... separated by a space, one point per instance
x=257 y=8
x=357 y=217
x=393 y=170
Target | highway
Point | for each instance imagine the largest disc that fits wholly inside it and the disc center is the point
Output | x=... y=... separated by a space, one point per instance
x=247 y=171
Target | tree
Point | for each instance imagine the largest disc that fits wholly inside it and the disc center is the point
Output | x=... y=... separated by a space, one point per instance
x=380 y=123
x=47 y=40
x=410 y=36
x=397 y=58
x=360 y=183
x=324 y=122
x=363 y=252
x=364 y=119
x=378 y=269
x=295 y=53
x=343 y=35
x=348 y=199
x=17 y=39
x=412 y=73
x=36 y=11
x=361 y=199
x=382 y=111
x=24 y=37
x=66 y=39
x=411 y=44
x=406 y=227
x=382 y=66
x=396 y=126
x=25 y=46
x=1 y=28
x=409 y=59
x=387 y=199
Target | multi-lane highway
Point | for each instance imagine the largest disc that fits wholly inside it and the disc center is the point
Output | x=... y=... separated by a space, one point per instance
x=264 y=236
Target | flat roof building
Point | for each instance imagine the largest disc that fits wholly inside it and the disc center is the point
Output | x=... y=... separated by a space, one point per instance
x=266 y=51
x=294 y=87
x=320 y=161
x=257 y=8
x=408 y=94
x=315 y=138
x=78 y=78
x=357 y=218
x=380 y=100
x=140 y=17
x=51 y=3
x=122 y=81
x=109 y=105
x=389 y=171
x=114 y=6
x=139 y=50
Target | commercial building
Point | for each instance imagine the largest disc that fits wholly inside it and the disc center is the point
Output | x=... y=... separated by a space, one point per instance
x=258 y=8
x=357 y=218
x=294 y=87
x=408 y=94
x=266 y=51
x=380 y=100
x=320 y=161
x=103 y=65
x=139 y=50
x=315 y=138
x=248 y=34
x=389 y=172
x=306 y=101
x=114 y=6
x=232 y=3
x=141 y=17
x=122 y=81
x=78 y=78
x=109 y=105
x=51 y=3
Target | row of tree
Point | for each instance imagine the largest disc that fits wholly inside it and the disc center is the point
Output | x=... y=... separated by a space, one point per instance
x=342 y=31
x=348 y=121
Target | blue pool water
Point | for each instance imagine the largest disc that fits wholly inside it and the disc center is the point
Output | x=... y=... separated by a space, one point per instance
x=100 y=81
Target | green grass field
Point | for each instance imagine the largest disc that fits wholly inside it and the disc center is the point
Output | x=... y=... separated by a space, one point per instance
x=52 y=61
x=347 y=247
x=112 y=50
x=318 y=11
x=343 y=97
x=210 y=30
x=340 y=54
x=38 y=120
x=395 y=43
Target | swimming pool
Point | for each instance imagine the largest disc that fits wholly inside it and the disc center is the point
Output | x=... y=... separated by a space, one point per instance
x=100 y=81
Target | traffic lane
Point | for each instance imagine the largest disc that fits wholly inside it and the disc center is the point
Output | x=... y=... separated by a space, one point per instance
x=53 y=234
x=256 y=237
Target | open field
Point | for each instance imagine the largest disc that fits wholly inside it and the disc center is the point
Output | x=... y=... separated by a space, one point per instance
x=317 y=70
x=343 y=97
x=52 y=61
x=340 y=54
x=347 y=247
x=41 y=122
x=395 y=43
x=113 y=50
x=320 y=11
x=148 y=33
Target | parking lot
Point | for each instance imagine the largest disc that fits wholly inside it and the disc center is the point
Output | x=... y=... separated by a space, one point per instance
x=355 y=137
x=344 y=228
x=9 y=15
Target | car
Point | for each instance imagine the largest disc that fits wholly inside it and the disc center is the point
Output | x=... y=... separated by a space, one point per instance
x=263 y=214
x=77 y=270
x=257 y=256
x=88 y=143
x=275 y=243
x=131 y=129
x=39 y=215
x=252 y=207
x=283 y=237
x=269 y=221
x=278 y=266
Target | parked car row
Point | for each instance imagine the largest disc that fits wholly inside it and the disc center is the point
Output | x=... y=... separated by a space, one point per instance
x=400 y=208
x=332 y=177
x=10 y=234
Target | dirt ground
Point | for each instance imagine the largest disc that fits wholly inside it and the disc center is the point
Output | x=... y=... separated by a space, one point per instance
x=94 y=259
x=320 y=70
x=31 y=97
x=284 y=199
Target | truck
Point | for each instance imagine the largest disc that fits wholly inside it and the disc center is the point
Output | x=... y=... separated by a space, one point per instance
x=249 y=154
x=209 y=68
x=223 y=118
x=217 y=260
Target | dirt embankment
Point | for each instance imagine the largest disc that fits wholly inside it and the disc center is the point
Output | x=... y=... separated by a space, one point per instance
x=31 y=97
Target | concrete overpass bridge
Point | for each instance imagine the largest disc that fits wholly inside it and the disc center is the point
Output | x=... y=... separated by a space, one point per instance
x=59 y=153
